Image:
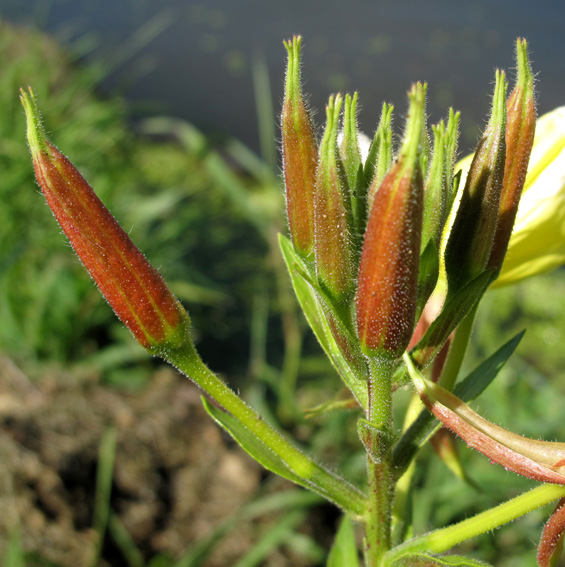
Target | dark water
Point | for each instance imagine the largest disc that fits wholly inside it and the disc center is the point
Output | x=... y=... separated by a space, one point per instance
x=199 y=65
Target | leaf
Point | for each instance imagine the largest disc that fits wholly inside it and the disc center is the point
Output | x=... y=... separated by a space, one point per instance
x=344 y=549
x=425 y=560
x=312 y=306
x=476 y=382
x=343 y=494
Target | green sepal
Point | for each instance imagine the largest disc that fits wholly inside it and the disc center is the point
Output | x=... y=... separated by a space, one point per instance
x=344 y=549
x=468 y=389
x=425 y=560
x=267 y=457
x=313 y=307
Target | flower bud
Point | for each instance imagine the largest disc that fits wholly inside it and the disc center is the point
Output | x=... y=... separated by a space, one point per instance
x=520 y=129
x=349 y=147
x=538 y=460
x=333 y=250
x=300 y=155
x=438 y=186
x=537 y=243
x=388 y=274
x=551 y=543
x=470 y=240
x=350 y=154
x=379 y=159
x=132 y=287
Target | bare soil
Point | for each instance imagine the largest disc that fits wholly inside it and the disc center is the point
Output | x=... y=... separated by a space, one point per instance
x=176 y=476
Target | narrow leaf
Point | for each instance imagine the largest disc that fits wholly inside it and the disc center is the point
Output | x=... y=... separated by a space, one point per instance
x=314 y=312
x=344 y=549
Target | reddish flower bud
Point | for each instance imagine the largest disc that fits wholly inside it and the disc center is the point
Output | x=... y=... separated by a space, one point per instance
x=551 y=543
x=520 y=130
x=472 y=234
x=300 y=155
x=388 y=274
x=132 y=287
x=334 y=252
x=539 y=460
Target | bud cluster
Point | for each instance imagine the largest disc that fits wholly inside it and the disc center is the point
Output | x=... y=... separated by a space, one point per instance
x=375 y=235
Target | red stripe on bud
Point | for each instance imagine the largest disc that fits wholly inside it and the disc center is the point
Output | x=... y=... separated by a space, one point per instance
x=388 y=275
x=132 y=287
x=300 y=155
x=520 y=130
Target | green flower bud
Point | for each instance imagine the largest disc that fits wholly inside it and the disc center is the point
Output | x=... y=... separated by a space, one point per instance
x=379 y=159
x=520 y=130
x=351 y=158
x=470 y=240
x=333 y=250
x=300 y=155
x=438 y=187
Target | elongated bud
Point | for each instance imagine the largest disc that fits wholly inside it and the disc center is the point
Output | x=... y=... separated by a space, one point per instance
x=551 y=543
x=300 y=155
x=434 y=189
x=349 y=147
x=537 y=243
x=380 y=154
x=472 y=234
x=334 y=255
x=539 y=460
x=352 y=165
x=388 y=274
x=439 y=179
x=452 y=135
x=132 y=287
x=520 y=130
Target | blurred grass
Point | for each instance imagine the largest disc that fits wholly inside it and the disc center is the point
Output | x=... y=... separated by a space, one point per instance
x=163 y=193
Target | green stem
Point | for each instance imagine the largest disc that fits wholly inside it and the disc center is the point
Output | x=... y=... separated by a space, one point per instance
x=330 y=485
x=457 y=350
x=443 y=539
x=381 y=481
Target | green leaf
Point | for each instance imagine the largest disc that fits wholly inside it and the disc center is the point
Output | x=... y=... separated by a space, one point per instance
x=476 y=382
x=472 y=386
x=312 y=306
x=343 y=494
x=344 y=549
x=425 y=560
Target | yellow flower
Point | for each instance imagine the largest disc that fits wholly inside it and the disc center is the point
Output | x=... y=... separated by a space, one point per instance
x=538 y=238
